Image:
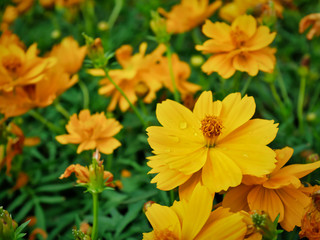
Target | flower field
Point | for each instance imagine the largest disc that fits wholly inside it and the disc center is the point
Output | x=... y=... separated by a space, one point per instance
x=159 y=120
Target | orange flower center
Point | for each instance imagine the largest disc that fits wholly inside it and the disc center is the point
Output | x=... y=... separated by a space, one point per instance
x=12 y=64
x=238 y=37
x=165 y=234
x=211 y=127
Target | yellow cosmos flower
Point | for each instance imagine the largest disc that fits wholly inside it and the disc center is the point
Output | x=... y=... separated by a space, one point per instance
x=7 y=38
x=242 y=46
x=236 y=8
x=19 y=68
x=277 y=193
x=312 y=20
x=70 y=56
x=136 y=69
x=40 y=94
x=181 y=71
x=193 y=220
x=188 y=14
x=215 y=144
x=91 y=132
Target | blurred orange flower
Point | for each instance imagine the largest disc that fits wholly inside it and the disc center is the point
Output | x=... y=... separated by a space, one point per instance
x=312 y=20
x=214 y=145
x=19 y=68
x=242 y=46
x=38 y=231
x=83 y=175
x=40 y=94
x=21 y=181
x=136 y=69
x=91 y=132
x=193 y=219
x=236 y=8
x=69 y=55
x=277 y=193
x=15 y=144
x=188 y=14
x=7 y=38
x=181 y=71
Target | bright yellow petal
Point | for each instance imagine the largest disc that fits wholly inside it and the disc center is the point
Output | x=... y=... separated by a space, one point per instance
x=282 y=155
x=206 y=107
x=236 y=198
x=217 y=30
x=220 y=63
x=220 y=172
x=299 y=170
x=261 y=198
x=245 y=63
x=262 y=38
x=107 y=146
x=186 y=189
x=246 y=24
x=197 y=212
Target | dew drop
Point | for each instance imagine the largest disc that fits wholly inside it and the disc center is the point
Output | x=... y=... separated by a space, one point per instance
x=183 y=125
x=245 y=155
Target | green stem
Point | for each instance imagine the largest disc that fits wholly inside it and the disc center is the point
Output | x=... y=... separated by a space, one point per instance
x=85 y=94
x=115 y=13
x=95 y=200
x=61 y=110
x=109 y=162
x=276 y=95
x=127 y=99
x=175 y=90
x=172 y=196
x=314 y=98
x=300 y=102
x=246 y=85
x=283 y=88
x=44 y=121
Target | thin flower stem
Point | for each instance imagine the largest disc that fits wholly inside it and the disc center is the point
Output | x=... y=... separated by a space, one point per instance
x=85 y=94
x=276 y=95
x=283 y=88
x=172 y=196
x=115 y=13
x=175 y=90
x=61 y=110
x=314 y=98
x=246 y=85
x=95 y=200
x=44 y=121
x=127 y=99
x=300 y=102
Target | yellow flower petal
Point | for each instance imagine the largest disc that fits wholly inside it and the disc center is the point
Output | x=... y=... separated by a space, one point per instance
x=236 y=198
x=206 y=107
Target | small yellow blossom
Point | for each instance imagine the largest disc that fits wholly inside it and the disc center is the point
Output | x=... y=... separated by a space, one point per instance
x=242 y=46
x=92 y=132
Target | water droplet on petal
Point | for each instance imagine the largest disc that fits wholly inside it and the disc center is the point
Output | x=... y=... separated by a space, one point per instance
x=245 y=155
x=183 y=125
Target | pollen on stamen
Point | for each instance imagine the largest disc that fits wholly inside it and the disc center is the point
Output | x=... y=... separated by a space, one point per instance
x=211 y=126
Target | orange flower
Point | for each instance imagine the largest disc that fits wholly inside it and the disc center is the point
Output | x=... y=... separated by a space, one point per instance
x=10 y=14
x=40 y=94
x=20 y=68
x=188 y=14
x=38 y=231
x=242 y=46
x=69 y=55
x=91 y=132
x=312 y=20
x=277 y=193
x=15 y=145
x=215 y=144
x=83 y=174
x=68 y=3
x=8 y=38
x=22 y=180
x=136 y=68
x=236 y=8
x=181 y=71
x=193 y=219
x=311 y=220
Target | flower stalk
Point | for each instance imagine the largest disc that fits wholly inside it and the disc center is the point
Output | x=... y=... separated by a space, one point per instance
x=301 y=99
x=175 y=90
x=95 y=200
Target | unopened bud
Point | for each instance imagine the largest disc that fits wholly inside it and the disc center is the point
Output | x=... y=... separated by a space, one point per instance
x=196 y=60
x=96 y=51
x=55 y=34
x=141 y=89
x=313 y=158
x=311 y=116
x=159 y=27
x=103 y=26
x=7 y=225
x=264 y=225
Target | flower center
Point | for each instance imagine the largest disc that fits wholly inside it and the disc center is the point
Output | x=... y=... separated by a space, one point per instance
x=165 y=234
x=12 y=64
x=238 y=37
x=211 y=127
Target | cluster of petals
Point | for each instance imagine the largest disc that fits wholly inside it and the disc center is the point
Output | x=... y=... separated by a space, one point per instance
x=193 y=220
x=28 y=81
x=280 y=192
x=60 y=3
x=188 y=14
x=312 y=20
x=142 y=75
x=214 y=145
x=91 y=132
x=236 y=8
x=83 y=175
x=242 y=46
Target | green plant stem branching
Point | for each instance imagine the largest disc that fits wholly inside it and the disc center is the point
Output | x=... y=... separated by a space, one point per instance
x=95 y=200
x=175 y=90
x=127 y=99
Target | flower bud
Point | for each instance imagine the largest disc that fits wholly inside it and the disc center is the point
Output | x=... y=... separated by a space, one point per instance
x=159 y=27
x=7 y=225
